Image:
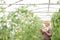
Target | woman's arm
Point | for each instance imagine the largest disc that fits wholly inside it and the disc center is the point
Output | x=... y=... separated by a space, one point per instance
x=49 y=33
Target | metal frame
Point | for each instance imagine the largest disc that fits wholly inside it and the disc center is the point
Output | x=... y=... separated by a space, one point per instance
x=34 y=4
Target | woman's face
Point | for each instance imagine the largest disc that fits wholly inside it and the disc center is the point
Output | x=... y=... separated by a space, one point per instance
x=47 y=24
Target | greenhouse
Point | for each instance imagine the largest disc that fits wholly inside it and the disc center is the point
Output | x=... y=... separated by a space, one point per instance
x=29 y=19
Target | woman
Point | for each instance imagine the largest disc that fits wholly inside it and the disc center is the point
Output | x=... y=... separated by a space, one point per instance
x=47 y=31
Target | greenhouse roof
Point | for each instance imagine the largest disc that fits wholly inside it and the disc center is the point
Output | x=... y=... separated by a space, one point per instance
x=41 y=8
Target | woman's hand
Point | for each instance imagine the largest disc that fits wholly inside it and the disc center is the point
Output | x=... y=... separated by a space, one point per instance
x=42 y=31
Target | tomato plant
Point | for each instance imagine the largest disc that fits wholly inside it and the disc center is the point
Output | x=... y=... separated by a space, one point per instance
x=56 y=26
x=20 y=24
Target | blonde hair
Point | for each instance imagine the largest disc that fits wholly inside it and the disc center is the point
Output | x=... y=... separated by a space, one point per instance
x=47 y=22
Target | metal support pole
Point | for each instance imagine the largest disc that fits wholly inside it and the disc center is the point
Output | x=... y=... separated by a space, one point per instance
x=48 y=5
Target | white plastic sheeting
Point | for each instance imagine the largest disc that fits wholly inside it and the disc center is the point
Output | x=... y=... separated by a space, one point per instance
x=38 y=9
